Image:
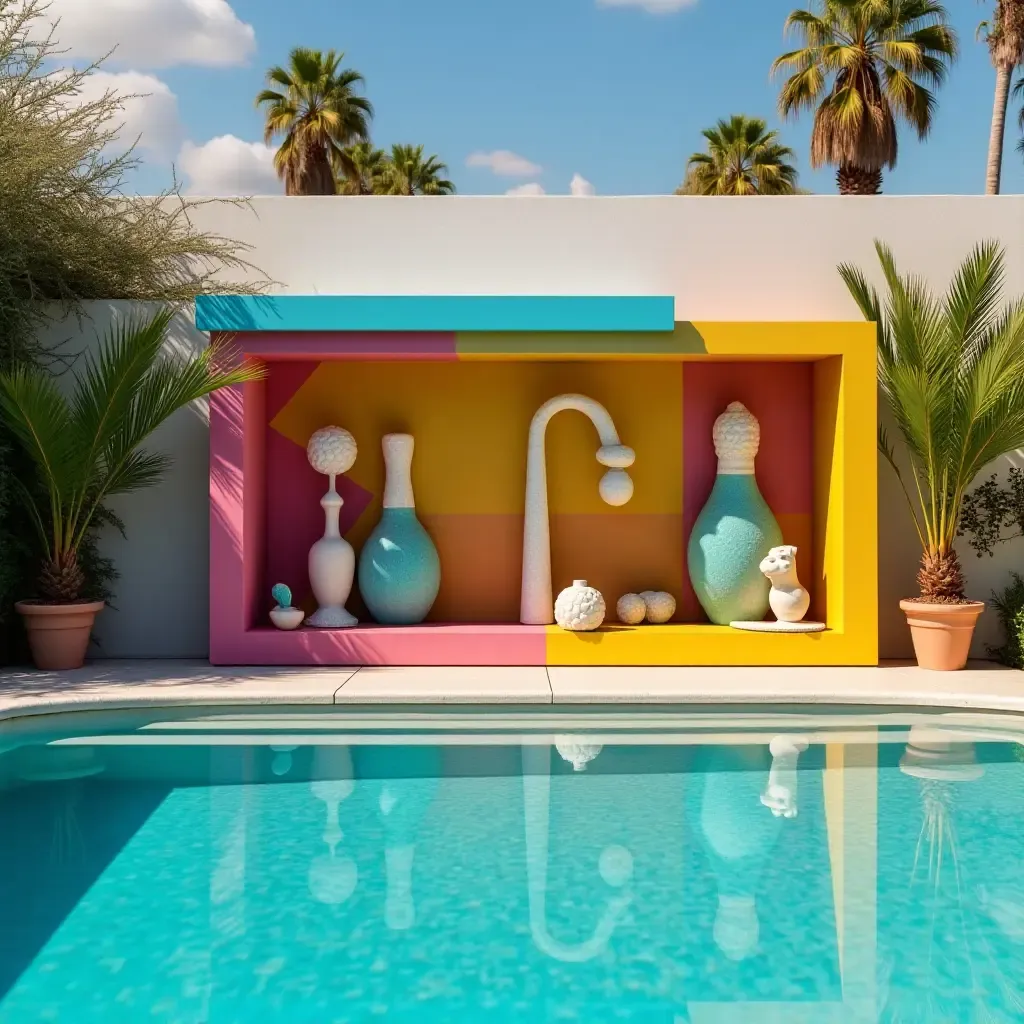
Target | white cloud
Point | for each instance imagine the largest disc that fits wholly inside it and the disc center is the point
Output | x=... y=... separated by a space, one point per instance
x=153 y=33
x=651 y=6
x=228 y=166
x=504 y=163
x=149 y=110
x=531 y=188
x=579 y=186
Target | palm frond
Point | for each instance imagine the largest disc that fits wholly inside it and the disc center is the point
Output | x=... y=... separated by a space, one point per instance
x=866 y=65
x=89 y=447
x=951 y=370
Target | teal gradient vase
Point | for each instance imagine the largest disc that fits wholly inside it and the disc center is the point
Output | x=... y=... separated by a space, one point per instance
x=399 y=571
x=735 y=529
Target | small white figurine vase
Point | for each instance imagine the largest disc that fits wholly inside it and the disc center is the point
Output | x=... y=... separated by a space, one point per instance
x=630 y=609
x=659 y=606
x=579 y=608
x=332 y=561
x=787 y=599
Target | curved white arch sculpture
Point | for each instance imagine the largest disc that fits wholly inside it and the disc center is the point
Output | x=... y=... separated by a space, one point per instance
x=616 y=488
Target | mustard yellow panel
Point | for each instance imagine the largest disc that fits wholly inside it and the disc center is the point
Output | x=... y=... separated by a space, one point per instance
x=774 y=339
x=471 y=421
x=685 y=644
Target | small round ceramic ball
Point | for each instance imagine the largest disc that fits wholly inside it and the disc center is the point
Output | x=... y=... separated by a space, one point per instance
x=660 y=605
x=331 y=451
x=630 y=609
x=579 y=607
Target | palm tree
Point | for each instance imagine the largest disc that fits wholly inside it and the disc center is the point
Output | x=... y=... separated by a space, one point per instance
x=743 y=159
x=864 y=65
x=359 y=169
x=951 y=369
x=87 y=445
x=1005 y=37
x=409 y=173
x=313 y=104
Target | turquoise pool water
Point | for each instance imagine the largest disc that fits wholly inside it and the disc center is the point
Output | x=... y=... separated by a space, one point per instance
x=719 y=867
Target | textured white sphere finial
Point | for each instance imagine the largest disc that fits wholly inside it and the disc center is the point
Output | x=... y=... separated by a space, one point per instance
x=630 y=609
x=331 y=451
x=659 y=606
x=737 y=436
x=579 y=607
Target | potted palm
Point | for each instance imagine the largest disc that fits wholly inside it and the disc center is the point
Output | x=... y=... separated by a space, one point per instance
x=87 y=448
x=951 y=371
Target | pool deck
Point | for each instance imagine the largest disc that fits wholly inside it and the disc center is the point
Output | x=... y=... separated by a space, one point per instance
x=110 y=685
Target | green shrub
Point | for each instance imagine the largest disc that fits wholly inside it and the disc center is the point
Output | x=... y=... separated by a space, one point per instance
x=69 y=232
x=1010 y=607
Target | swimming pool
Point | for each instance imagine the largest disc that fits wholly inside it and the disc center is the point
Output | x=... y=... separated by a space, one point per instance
x=326 y=866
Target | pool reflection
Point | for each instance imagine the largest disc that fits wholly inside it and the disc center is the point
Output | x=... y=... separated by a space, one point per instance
x=769 y=876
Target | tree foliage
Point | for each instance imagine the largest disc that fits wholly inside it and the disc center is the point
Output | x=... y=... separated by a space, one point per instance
x=70 y=232
x=993 y=513
x=743 y=158
x=951 y=370
x=87 y=447
x=363 y=170
x=312 y=105
x=863 y=66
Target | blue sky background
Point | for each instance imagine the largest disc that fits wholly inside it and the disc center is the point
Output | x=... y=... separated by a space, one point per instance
x=616 y=94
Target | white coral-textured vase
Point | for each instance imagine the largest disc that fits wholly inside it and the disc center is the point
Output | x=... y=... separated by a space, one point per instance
x=579 y=608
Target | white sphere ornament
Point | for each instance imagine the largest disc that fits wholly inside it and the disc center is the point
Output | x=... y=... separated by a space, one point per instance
x=630 y=609
x=737 y=437
x=660 y=606
x=616 y=487
x=579 y=608
x=331 y=451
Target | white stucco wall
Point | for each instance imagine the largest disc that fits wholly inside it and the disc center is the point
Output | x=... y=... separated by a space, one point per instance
x=722 y=259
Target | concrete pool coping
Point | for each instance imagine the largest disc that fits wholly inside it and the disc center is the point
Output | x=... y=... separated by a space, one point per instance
x=115 y=685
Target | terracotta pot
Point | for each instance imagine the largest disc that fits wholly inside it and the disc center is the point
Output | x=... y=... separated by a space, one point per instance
x=58 y=634
x=942 y=632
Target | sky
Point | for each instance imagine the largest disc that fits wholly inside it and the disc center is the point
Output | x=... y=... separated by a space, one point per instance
x=552 y=96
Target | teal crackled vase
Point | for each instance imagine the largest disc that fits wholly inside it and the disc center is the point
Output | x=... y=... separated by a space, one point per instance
x=735 y=529
x=399 y=571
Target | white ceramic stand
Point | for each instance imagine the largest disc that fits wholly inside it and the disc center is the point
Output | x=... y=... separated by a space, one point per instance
x=770 y=626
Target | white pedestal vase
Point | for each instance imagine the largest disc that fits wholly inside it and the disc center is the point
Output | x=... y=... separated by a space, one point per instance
x=332 y=561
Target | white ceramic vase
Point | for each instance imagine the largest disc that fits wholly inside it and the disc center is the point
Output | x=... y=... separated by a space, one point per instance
x=579 y=608
x=332 y=561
